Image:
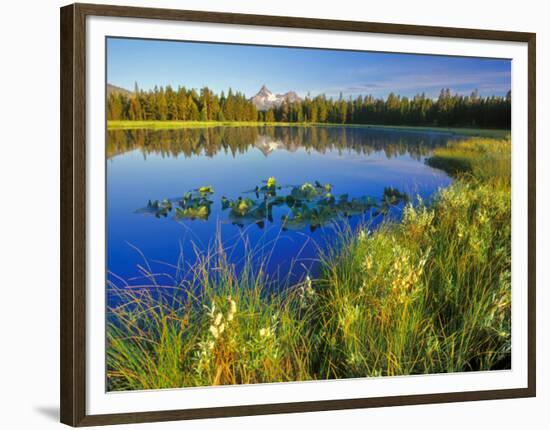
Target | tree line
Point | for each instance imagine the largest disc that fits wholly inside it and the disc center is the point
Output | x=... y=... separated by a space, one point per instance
x=165 y=103
x=450 y=110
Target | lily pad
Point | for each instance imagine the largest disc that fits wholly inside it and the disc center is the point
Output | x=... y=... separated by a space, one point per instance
x=193 y=205
x=206 y=190
x=193 y=212
x=310 y=205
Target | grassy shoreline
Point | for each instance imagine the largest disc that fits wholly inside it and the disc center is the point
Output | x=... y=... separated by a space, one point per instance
x=160 y=125
x=429 y=294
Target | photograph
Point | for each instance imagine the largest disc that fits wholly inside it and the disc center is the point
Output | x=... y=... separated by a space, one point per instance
x=287 y=214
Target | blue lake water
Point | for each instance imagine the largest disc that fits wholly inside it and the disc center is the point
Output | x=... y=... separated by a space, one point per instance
x=148 y=165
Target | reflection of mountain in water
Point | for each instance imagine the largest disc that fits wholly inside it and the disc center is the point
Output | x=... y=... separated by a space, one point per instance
x=268 y=144
x=191 y=142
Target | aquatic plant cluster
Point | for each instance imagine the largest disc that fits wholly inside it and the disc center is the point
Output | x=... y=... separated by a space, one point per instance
x=308 y=205
x=428 y=294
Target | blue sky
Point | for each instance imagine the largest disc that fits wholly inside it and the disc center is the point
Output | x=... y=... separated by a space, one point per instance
x=246 y=68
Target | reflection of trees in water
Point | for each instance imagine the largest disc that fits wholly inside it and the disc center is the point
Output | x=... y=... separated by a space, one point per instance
x=237 y=140
x=189 y=142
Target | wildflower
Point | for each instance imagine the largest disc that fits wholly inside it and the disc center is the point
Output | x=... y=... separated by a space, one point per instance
x=221 y=328
x=232 y=309
x=309 y=287
x=218 y=319
x=215 y=332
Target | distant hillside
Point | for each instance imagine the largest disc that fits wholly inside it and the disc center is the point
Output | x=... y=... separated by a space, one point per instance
x=113 y=89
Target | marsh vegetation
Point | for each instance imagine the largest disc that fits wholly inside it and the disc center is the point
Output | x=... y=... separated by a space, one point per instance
x=427 y=291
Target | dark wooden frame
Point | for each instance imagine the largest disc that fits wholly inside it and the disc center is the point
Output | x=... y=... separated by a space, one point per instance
x=73 y=212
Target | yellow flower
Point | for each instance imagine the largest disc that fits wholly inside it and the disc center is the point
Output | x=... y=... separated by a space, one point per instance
x=271 y=182
x=482 y=217
x=265 y=332
x=218 y=319
x=243 y=207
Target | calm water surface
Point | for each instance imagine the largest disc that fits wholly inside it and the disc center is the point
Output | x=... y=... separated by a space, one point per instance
x=149 y=165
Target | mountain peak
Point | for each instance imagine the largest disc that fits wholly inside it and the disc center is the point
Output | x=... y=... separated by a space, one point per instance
x=265 y=99
x=113 y=89
x=264 y=92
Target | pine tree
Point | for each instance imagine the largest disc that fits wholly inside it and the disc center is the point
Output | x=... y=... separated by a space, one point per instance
x=204 y=114
x=269 y=116
x=193 y=109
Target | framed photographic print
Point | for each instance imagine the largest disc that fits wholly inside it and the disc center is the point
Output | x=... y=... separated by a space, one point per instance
x=267 y=214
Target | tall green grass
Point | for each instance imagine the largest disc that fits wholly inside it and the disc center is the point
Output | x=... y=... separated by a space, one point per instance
x=429 y=294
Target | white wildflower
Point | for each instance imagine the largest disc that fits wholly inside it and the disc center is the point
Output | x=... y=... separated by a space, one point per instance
x=232 y=309
x=215 y=332
x=308 y=287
